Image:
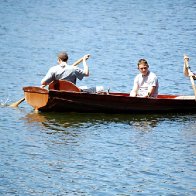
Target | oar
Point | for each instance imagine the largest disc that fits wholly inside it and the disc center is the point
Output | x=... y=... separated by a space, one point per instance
x=17 y=103
x=79 y=61
x=186 y=64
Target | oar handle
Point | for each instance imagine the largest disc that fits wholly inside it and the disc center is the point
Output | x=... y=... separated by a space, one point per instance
x=80 y=60
x=188 y=72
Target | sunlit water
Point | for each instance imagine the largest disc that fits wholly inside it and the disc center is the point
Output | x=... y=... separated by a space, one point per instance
x=96 y=154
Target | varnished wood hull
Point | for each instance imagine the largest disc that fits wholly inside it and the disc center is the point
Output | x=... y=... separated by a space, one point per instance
x=62 y=101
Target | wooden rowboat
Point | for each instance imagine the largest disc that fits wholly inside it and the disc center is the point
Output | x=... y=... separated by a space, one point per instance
x=63 y=96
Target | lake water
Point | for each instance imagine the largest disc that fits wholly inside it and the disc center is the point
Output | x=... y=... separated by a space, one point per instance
x=96 y=154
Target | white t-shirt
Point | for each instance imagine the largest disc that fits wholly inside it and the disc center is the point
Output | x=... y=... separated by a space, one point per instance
x=145 y=82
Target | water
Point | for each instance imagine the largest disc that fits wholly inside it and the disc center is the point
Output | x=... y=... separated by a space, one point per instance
x=96 y=154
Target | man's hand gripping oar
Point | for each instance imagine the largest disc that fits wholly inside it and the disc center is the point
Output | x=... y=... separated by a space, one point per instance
x=189 y=73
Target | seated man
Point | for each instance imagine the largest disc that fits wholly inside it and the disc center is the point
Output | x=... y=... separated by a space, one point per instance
x=63 y=71
x=146 y=82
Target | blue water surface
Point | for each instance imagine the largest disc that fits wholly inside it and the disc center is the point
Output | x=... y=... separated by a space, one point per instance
x=96 y=154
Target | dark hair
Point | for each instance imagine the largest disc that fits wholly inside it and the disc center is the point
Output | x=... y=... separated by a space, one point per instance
x=63 y=56
x=142 y=61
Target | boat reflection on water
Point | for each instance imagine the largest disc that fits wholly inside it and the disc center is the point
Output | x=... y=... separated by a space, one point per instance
x=61 y=121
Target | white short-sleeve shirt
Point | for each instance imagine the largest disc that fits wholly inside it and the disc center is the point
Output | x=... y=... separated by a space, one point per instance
x=145 y=82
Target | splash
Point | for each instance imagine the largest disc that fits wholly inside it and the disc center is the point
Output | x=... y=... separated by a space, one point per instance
x=4 y=102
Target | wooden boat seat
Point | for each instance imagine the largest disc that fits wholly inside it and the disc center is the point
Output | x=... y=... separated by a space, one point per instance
x=64 y=85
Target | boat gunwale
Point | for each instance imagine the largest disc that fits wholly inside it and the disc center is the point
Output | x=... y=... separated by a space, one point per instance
x=119 y=94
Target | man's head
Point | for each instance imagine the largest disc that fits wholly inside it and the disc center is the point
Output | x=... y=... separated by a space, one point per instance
x=63 y=56
x=143 y=66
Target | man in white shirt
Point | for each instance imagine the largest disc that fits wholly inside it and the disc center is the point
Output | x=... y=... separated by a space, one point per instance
x=146 y=82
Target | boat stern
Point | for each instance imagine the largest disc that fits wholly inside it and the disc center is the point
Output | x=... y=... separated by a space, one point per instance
x=35 y=96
